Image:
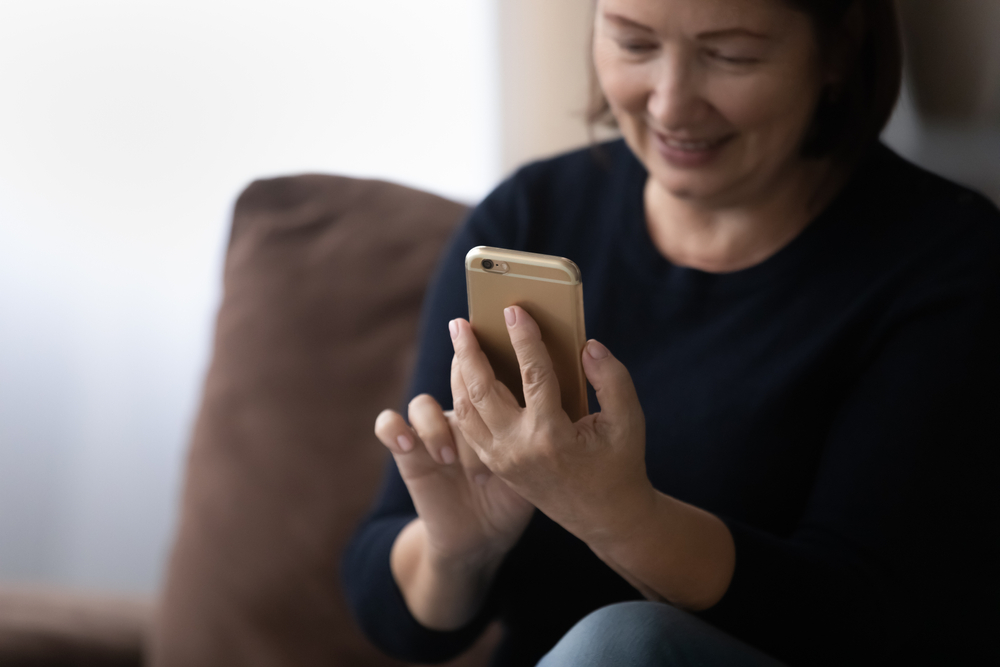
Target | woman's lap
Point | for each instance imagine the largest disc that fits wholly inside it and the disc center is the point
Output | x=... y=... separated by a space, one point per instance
x=641 y=634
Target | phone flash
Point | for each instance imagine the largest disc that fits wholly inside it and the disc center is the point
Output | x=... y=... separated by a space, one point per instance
x=495 y=267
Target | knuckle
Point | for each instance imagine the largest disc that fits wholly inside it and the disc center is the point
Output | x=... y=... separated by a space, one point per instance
x=533 y=374
x=478 y=391
x=500 y=465
x=463 y=408
x=546 y=437
x=546 y=433
x=520 y=343
x=486 y=461
x=514 y=461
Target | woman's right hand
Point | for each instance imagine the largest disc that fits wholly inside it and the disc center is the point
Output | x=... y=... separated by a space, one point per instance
x=468 y=518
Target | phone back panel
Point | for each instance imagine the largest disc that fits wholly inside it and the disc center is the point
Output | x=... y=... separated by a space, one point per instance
x=550 y=290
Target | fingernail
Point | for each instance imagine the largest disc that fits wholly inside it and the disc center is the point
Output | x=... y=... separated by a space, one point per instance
x=510 y=316
x=453 y=328
x=447 y=455
x=405 y=443
x=596 y=350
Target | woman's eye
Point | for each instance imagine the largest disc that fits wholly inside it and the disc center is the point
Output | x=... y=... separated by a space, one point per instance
x=637 y=47
x=731 y=58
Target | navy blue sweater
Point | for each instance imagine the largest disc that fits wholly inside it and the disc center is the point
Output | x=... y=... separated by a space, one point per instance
x=837 y=405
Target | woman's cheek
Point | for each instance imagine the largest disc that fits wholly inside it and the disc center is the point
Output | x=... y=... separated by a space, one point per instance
x=766 y=107
x=621 y=88
x=745 y=102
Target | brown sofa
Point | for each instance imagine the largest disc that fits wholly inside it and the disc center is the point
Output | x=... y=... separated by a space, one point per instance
x=42 y=627
x=324 y=277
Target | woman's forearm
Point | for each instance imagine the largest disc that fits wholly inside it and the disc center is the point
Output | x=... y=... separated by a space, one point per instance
x=672 y=551
x=442 y=594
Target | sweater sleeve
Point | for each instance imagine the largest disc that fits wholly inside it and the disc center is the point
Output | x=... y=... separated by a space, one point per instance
x=370 y=587
x=902 y=522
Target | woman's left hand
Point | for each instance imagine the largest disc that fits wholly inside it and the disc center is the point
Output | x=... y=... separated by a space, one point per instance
x=588 y=476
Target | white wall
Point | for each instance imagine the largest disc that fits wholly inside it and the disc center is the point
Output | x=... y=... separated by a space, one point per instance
x=127 y=127
x=544 y=77
x=967 y=152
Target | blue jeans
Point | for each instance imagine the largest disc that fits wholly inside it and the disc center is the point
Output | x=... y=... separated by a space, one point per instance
x=650 y=634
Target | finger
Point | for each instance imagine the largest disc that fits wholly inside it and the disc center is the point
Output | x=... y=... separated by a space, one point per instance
x=428 y=420
x=541 y=386
x=612 y=384
x=491 y=399
x=474 y=467
x=393 y=431
x=469 y=421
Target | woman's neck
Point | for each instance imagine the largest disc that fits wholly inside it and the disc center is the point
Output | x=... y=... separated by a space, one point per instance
x=722 y=239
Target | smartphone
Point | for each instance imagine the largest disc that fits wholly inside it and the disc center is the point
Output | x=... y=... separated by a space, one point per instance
x=550 y=289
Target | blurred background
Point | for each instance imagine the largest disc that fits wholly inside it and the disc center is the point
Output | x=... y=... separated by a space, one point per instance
x=127 y=129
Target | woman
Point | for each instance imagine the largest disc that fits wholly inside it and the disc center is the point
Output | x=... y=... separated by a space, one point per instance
x=791 y=449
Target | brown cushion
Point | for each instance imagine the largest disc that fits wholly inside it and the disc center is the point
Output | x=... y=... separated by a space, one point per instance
x=324 y=279
x=49 y=628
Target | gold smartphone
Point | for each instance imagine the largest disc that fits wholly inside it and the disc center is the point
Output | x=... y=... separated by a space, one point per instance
x=550 y=289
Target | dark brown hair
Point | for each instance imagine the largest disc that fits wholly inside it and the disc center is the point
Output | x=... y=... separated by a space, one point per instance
x=850 y=115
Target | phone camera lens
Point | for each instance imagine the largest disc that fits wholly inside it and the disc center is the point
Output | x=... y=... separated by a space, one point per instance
x=487 y=264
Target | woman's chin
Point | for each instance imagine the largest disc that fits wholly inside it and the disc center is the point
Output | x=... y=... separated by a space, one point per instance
x=706 y=183
x=689 y=188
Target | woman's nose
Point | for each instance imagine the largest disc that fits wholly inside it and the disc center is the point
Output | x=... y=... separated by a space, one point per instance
x=675 y=101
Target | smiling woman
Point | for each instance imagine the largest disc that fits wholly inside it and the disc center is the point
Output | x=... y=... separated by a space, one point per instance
x=790 y=454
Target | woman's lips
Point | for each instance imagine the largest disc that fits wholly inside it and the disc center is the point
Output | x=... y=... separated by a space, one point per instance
x=686 y=152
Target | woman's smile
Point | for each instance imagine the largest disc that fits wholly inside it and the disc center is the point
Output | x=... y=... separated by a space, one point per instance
x=683 y=152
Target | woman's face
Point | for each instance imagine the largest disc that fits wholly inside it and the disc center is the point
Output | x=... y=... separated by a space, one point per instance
x=713 y=96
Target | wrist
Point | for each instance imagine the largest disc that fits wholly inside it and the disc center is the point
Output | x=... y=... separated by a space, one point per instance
x=681 y=553
x=470 y=566
x=442 y=591
x=623 y=521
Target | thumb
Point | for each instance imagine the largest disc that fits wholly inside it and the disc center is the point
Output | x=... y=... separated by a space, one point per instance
x=613 y=385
